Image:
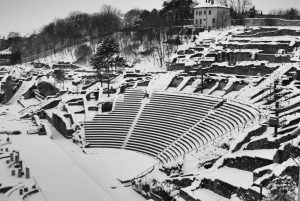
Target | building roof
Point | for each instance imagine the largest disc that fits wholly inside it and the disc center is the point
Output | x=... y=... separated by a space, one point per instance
x=209 y=5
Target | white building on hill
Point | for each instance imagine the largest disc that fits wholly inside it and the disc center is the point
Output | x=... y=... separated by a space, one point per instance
x=210 y=15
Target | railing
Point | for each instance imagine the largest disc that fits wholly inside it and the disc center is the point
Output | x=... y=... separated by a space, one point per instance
x=148 y=171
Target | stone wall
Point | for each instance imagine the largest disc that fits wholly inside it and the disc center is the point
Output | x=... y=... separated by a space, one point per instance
x=266 y=144
x=267 y=48
x=272 y=58
x=219 y=187
x=270 y=22
x=227 y=190
x=60 y=125
x=182 y=183
x=263 y=32
x=242 y=70
x=246 y=163
x=9 y=88
x=5 y=61
x=256 y=132
x=186 y=196
x=172 y=67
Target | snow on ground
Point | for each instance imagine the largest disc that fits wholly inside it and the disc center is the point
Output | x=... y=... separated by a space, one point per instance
x=148 y=66
x=106 y=166
x=47 y=162
x=10 y=121
x=17 y=183
x=268 y=154
x=206 y=195
x=93 y=176
x=28 y=102
x=233 y=176
x=67 y=55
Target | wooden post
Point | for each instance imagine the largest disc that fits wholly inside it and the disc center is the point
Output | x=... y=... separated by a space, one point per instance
x=19 y=173
x=17 y=158
x=260 y=194
x=27 y=173
x=11 y=157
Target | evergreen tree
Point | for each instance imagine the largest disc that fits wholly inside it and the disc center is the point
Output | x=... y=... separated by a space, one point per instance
x=103 y=58
x=178 y=10
x=252 y=13
x=291 y=13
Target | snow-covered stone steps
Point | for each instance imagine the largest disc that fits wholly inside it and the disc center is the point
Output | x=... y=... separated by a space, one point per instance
x=201 y=194
x=249 y=160
x=224 y=182
x=232 y=176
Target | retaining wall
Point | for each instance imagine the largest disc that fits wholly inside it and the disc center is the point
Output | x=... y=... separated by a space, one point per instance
x=270 y=22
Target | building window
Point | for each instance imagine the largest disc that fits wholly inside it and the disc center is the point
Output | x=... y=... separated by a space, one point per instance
x=204 y=20
x=209 y=12
x=214 y=20
x=200 y=21
x=200 y=12
x=196 y=12
x=204 y=12
x=196 y=21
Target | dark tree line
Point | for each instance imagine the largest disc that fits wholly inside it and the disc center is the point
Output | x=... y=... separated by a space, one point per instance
x=290 y=14
x=81 y=27
x=173 y=13
x=72 y=30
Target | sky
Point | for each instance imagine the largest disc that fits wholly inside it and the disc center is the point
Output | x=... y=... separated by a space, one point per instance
x=25 y=16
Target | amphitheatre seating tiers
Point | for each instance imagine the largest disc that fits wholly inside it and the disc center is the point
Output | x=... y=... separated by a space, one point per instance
x=168 y=125
x=111 y=129
x=214 y=125
x=166 y=117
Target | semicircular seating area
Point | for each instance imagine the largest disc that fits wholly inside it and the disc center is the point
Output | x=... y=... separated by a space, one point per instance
x=110 y=130
x=168 y=124
x=166 y=118
x=222 y=120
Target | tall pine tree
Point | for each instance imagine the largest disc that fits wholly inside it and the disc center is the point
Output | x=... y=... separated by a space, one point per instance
x=103 y=58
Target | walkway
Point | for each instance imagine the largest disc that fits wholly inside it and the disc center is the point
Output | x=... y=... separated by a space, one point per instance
x=58 y=176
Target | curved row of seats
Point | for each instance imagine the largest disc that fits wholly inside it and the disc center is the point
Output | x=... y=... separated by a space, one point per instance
x=165 y=119
x=110 y=130
x=224 y=119
x=170 y=125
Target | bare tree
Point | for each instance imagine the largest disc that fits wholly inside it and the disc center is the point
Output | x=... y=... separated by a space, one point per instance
x=240 y=6
x=224 y=19
x=108 y=9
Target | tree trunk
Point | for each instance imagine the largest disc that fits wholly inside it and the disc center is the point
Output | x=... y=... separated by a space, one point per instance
x=108 y=80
